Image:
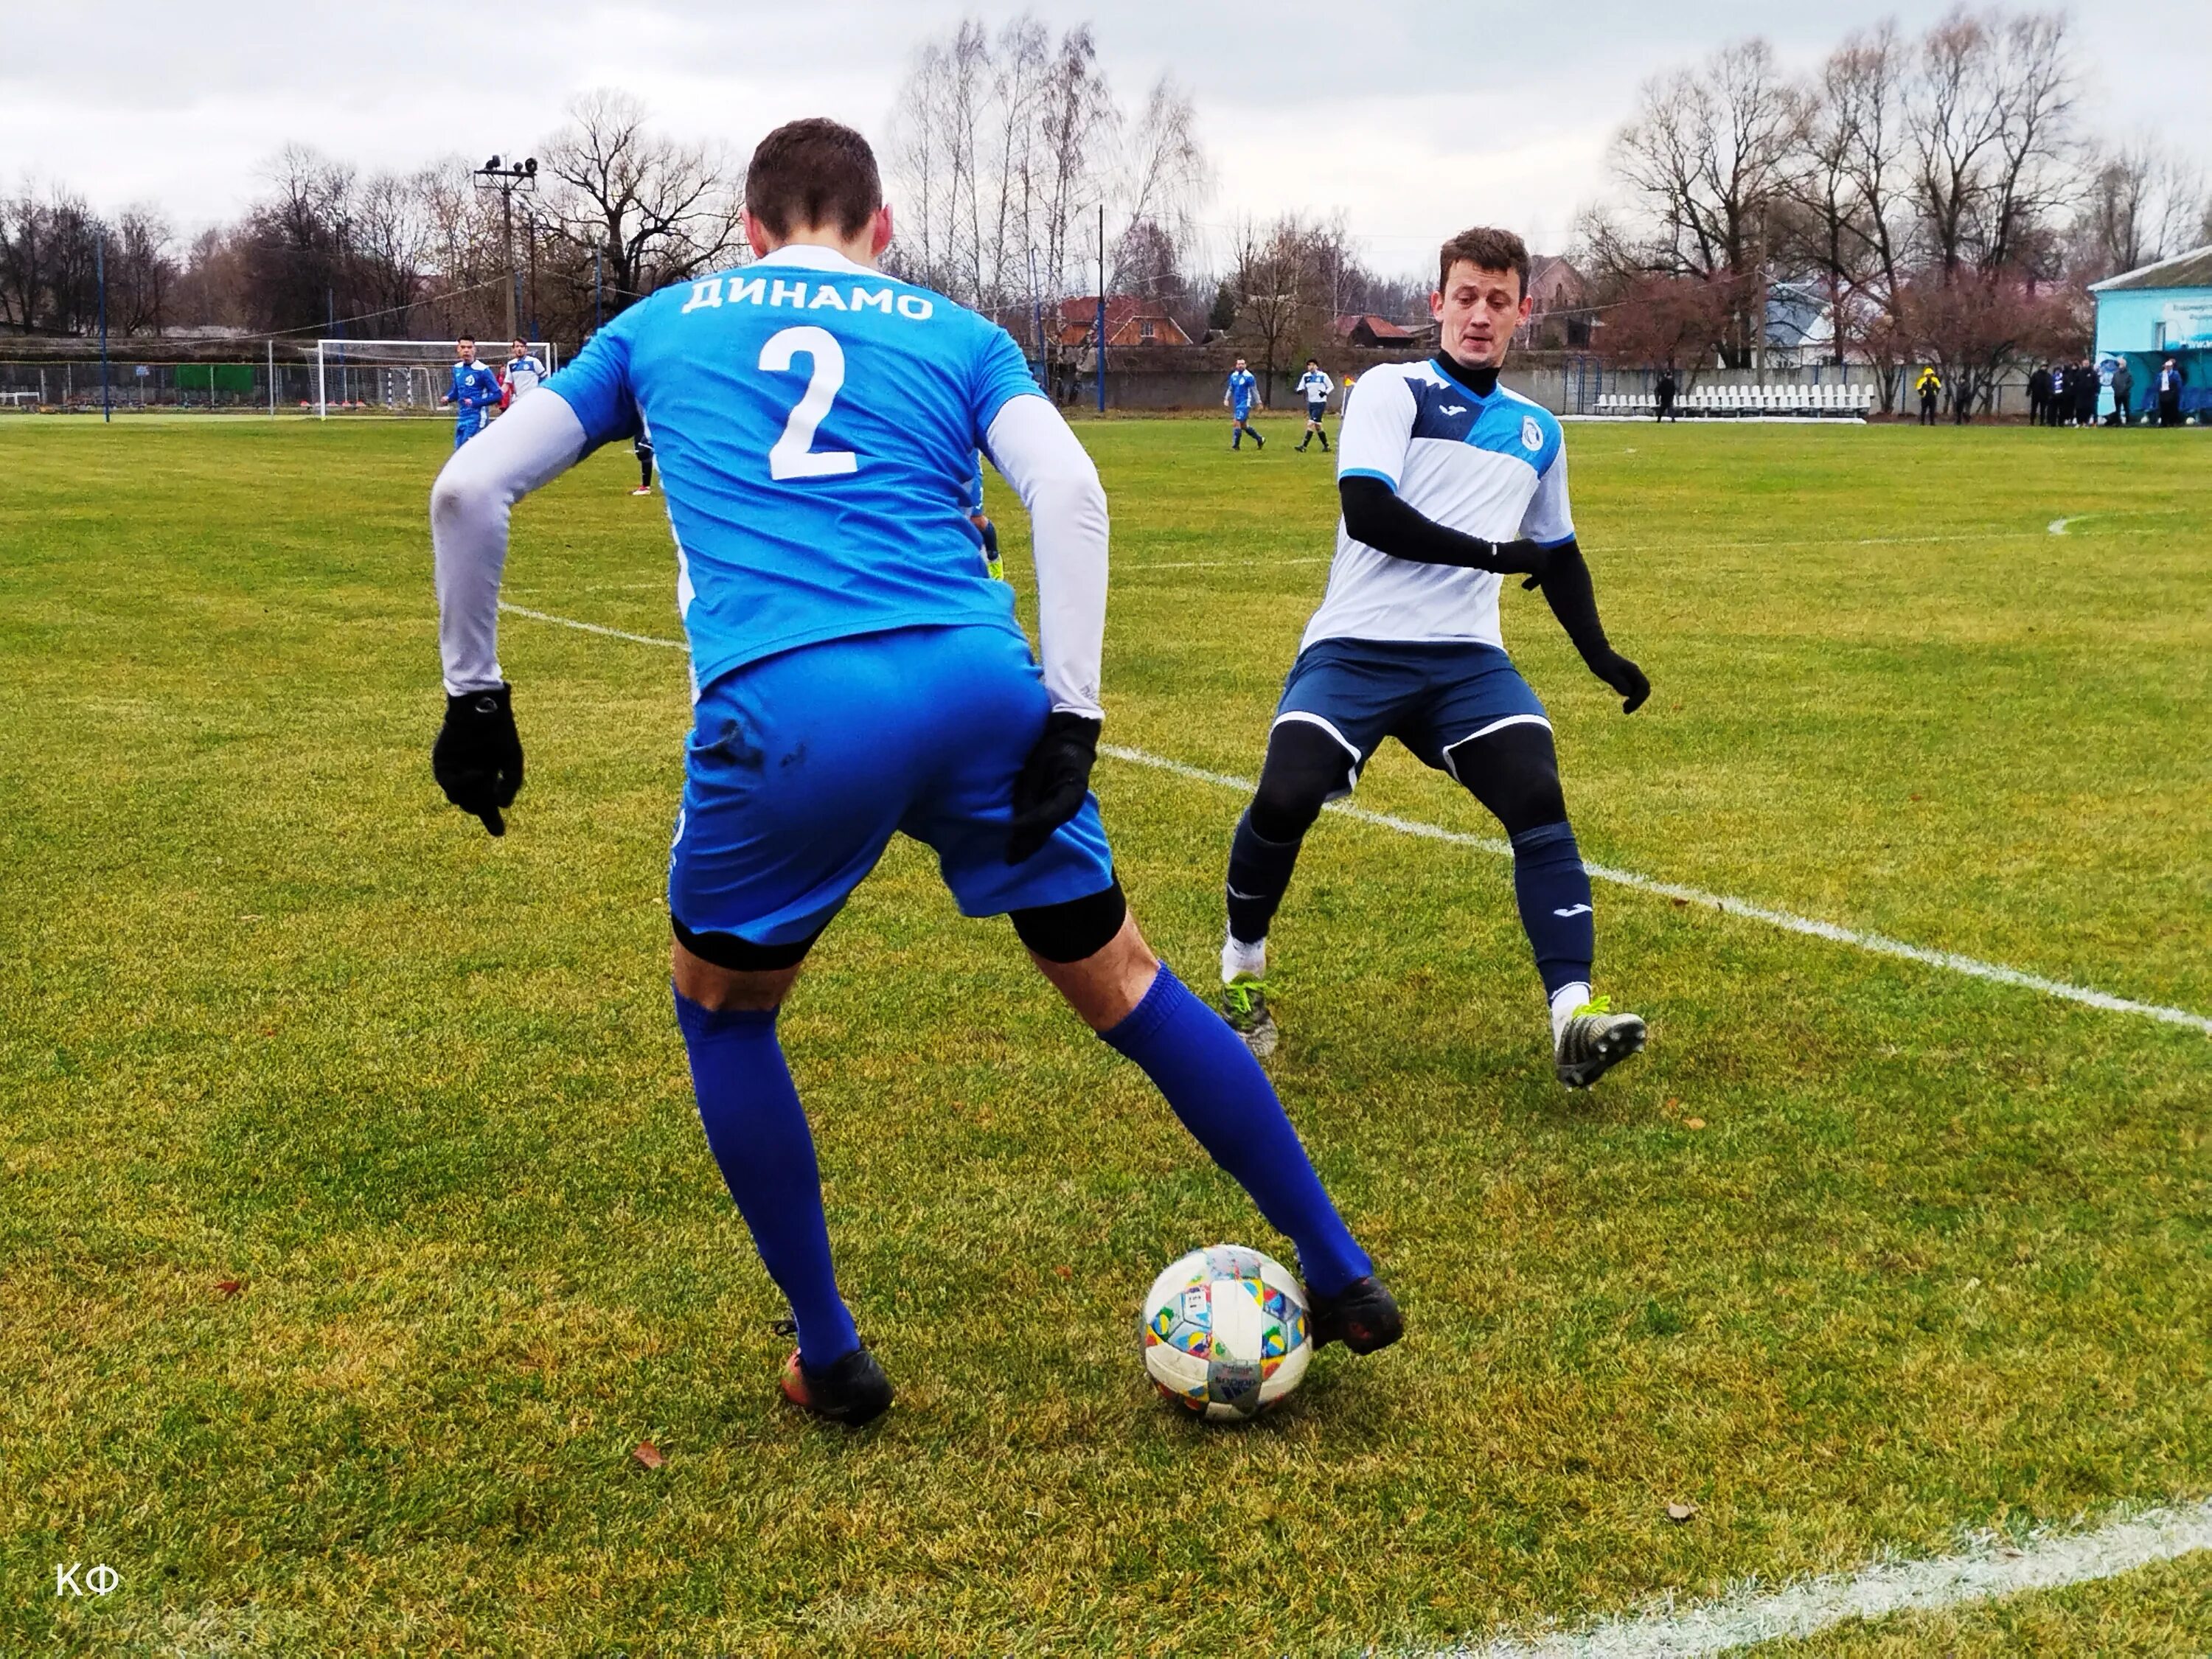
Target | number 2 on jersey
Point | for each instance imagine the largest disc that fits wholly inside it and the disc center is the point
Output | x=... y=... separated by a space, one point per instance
x=794 y=455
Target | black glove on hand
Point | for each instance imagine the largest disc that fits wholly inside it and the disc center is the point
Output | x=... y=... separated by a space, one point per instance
x=1624 y=677
x=477 y=759
x=1512 y=558
x=1052 y=783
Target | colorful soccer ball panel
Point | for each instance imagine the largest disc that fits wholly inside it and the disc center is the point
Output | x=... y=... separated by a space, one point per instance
x=1224 y=1332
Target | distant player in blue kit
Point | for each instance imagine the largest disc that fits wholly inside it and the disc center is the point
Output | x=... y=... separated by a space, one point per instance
x=1449 y=484
x=856 y=673
x=1243 y=387
x=475 y=389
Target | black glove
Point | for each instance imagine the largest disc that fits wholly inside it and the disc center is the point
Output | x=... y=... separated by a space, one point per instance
x=1623 y=676
x=1512 y=558
x=477 y=759
x=1052 y=783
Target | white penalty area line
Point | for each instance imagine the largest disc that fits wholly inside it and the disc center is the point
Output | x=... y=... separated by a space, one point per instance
x=1877 y=944
x=1990 y=1571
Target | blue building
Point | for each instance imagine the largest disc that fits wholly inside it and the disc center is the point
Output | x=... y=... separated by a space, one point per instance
x=2163 y=310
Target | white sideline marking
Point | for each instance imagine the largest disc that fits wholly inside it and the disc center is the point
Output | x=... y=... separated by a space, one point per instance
x=1876 y=943
x=2058 y=526
x=1990 y=1570
x=592 y=628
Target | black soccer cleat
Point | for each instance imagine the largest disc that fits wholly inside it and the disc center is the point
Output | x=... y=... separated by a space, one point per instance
x=852 y=1390
x=1595 y=1042
x=1364 y=1315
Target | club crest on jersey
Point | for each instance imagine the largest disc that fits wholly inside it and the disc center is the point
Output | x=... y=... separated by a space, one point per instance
x=1532 y=435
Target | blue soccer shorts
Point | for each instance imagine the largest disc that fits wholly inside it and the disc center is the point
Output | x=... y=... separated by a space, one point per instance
x=1315 y=411
x=801 y=767
x=1431 y=696
x=466 y=425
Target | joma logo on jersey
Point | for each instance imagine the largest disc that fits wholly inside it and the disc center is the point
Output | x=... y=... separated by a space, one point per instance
x=717 y=291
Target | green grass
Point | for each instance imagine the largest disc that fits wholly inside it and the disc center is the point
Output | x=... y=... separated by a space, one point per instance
x=1938 y=1257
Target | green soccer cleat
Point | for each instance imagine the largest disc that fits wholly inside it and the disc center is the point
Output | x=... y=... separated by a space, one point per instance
x=1244 y=1005
x=1595 y=1042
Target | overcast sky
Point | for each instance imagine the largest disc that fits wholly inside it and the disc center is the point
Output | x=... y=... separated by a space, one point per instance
x=1414 y=119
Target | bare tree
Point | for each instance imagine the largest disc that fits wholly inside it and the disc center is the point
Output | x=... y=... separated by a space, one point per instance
x=1991 y=136
x=142 y=269
x=1283 y=275
x=656 y=210
x=1708 y=157
x=2140 y=204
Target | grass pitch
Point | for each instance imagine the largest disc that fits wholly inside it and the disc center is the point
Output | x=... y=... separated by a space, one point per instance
x=356 y=1223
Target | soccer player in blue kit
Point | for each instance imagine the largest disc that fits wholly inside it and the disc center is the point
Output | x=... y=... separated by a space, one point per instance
x=475 y=388
x=1243 y=387
x=1449 y=482
x=857 y=673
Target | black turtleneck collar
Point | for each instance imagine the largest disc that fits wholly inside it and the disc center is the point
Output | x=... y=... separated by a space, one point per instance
x=1480 y=381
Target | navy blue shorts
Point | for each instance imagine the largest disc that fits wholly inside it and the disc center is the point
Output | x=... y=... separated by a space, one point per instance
x=1431 y=696
x=1315 y=411
x=801 y=767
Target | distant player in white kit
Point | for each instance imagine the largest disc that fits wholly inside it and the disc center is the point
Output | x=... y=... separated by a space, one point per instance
x=525 y=372
x=1315 y=385
x=1449 y=482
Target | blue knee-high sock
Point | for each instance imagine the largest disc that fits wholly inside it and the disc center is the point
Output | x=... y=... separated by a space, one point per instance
x=1554 y=893
x=758 y=1131
x=1224 y=1099
x=1259 y=875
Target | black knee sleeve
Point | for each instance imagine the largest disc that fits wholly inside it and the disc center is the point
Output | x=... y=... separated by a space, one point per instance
x=1514 y=772
x=742 y=956
x=1304 y=768
x=1069 y=932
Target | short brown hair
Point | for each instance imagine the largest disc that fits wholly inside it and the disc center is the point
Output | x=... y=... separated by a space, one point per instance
x=814 y=171
x=1484 y=249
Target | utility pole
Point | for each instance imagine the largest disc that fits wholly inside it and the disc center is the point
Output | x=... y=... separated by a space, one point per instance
x=1102 y=307
x=599 y=316
x=521 y=175
x=100 y=270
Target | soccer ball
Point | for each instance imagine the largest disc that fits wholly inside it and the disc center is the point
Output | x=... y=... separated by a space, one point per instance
x=1225 y=1333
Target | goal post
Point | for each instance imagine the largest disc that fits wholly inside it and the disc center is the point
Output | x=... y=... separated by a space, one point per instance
x=404 y=377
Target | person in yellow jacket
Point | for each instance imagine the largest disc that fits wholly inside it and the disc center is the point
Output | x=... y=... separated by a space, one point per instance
x=1929 y=386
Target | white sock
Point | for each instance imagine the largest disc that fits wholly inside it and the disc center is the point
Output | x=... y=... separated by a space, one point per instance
x=1564 y=1003
x=1238 y=957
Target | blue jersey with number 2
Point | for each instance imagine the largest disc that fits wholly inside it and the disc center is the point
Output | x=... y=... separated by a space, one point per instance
x=816 y=424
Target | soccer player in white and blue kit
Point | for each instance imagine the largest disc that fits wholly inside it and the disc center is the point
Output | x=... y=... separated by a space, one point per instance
x=1449 y=482
x=1244 y=386
x=525 y=370
x=856 y=674
x=473 y=391
x=1315 y=385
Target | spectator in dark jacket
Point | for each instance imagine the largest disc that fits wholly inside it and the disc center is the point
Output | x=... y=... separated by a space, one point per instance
x=2054 y=407
x=2086 y=384
x=1663 y=396
x=2038 y=395
x=2123 y=389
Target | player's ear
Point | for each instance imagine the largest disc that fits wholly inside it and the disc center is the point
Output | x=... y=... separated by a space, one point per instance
x=1436 y=304
x=879 y=231
x=758 y=236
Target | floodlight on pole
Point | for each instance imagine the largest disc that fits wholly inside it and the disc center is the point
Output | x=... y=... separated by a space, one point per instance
x=507 y=178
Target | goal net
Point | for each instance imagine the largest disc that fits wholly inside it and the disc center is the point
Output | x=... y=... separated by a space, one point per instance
x=400 y=377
